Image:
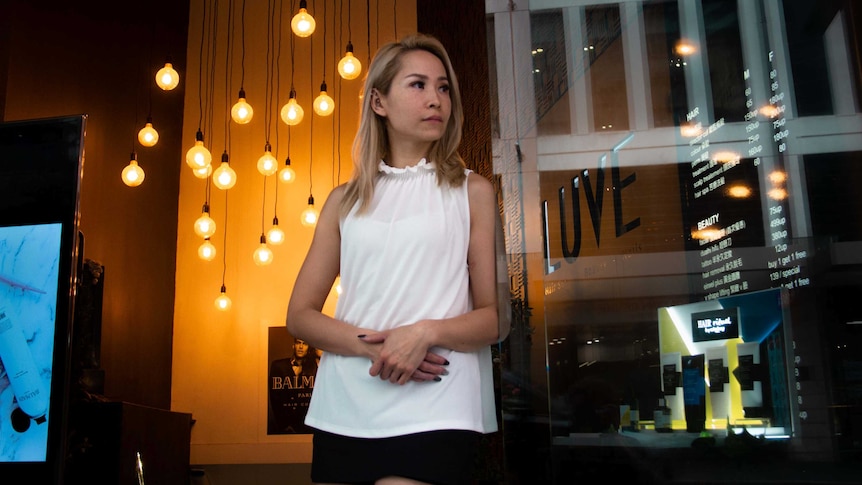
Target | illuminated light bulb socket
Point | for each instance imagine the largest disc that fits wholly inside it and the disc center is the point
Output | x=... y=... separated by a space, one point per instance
x=223 y=302
x=308 y=218
x=207 y=251
x=224 y=177
x=267 y=164
x=148 y=136
x=241 y=112
x=133 y=175
x=203 y=173
x=303 y=23
x=275 y=235
x=167 y=78
x=323 y=104
x=349 y=66
x=198 y=156
x=292 y=113
x=287 y=174
x=204 y=226
x=262 y=255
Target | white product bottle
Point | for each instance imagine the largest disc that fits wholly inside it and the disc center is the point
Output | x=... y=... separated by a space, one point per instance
x=21 y=369
x=662 y=418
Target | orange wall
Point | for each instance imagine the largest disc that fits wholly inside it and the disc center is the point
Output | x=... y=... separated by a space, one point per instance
x=220 y=358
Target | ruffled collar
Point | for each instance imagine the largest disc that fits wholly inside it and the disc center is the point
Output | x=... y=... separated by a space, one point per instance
x=423 y=165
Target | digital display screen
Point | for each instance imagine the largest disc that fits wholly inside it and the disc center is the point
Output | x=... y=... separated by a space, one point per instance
x=41 y=168
x=715 y=325
x=29 y=275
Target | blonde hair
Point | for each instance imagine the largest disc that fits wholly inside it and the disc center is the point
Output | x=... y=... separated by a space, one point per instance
x=371 y=143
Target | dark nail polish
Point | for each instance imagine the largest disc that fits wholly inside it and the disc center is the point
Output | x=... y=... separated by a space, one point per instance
x=446 y=363
x=445 y=372
x=437 y=379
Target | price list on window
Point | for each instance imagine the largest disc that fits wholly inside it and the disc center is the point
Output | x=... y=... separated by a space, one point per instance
x=719 y=211
x=784 y=264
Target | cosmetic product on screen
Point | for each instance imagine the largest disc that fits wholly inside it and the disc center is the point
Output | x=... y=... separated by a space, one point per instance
x=21 y=369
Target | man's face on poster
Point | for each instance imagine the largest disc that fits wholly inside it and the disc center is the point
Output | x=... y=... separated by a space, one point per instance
x=300 y=348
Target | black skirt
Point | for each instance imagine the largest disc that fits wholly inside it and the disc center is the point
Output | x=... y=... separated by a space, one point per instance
x=438 y=457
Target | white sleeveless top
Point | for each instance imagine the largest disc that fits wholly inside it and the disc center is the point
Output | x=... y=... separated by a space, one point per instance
x=403 y=261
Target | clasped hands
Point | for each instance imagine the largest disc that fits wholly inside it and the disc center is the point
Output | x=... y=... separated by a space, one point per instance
x=401 y=355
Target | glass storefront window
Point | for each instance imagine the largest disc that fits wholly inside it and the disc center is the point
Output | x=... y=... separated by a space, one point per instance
x=683 y=234
x=725 y=59
x=605 y=67
x=549 y=73
x=666 y=58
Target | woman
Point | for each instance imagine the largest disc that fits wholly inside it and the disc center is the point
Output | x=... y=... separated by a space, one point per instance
x=404 y=389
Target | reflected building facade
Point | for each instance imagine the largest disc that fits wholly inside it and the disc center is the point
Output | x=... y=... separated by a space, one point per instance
x=683 y=231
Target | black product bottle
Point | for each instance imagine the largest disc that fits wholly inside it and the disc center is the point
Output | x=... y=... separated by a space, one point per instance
x=694 y=393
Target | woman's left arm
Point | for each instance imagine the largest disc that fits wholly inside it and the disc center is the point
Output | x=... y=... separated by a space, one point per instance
x=481 y=326
x=484 y=325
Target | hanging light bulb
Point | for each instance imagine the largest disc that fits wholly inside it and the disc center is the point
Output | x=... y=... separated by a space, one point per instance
x=241 y=112
x=309 y=215
x=222 y=302
x=203 y=173
x=302 y=23
x=204 y=226
x=262 y=255
x=287 y=174
x=349 y=66
x=198 y=156
x=224 y=177
x=323 y=104
x=167 y=77
x=275 y=235
x=292 y=112
x=133 y=175
x=148 y=136
x=267 y=164
x=207 y=250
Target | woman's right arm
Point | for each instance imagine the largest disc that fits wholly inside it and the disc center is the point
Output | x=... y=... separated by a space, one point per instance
x=313 y=284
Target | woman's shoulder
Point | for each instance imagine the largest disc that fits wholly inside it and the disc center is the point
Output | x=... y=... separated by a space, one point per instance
x=332 y=207
x=336 y=194
x=338 y=191
x=479 y=186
